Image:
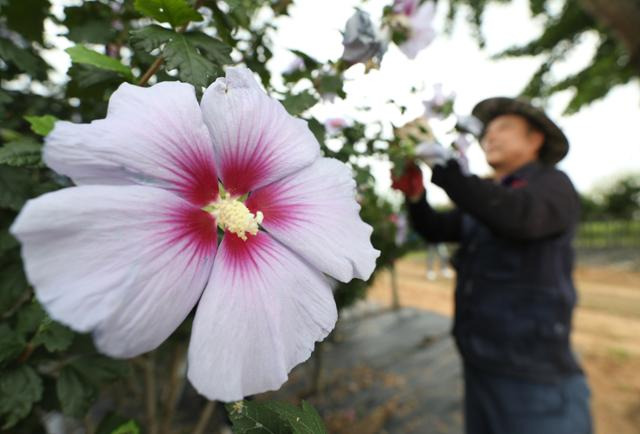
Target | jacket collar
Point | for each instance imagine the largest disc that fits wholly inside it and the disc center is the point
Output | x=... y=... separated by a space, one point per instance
x=521 y=174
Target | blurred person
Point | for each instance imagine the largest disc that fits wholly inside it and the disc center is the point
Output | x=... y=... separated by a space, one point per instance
x=514 y=295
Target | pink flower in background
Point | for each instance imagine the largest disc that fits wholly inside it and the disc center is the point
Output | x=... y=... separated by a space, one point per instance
x=335 y=125
x=406 y=7
x=419 y=23
x=129 y=251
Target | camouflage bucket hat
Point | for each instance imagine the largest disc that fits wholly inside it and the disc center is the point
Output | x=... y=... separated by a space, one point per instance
x=556 y=145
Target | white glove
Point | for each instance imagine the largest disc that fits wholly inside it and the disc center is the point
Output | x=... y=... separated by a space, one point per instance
x=433 y=154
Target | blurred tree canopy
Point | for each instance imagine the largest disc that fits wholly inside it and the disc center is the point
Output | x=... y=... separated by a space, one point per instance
x=616 y=60
x=618 y=201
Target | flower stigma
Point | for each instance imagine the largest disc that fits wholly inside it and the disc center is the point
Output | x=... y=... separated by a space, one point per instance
x=232 y=215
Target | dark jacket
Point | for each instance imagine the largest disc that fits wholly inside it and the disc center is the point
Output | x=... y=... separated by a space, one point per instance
x=514 y=292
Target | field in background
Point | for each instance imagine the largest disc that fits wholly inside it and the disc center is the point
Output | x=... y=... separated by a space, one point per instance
x=609 y=234
x=606 y=329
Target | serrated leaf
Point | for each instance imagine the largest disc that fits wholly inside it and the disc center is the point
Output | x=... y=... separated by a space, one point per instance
x=211 y=48
x=174 y=12
x=41 y=125
x=151 y=37
x=197 y=57
x=255 y=418
x=75 y=393
x=54 y=336
x=23 y=152
x=20 y=388
x=83 y=55
x=11 y=344
x=192 y=67
x=298 y=103
x=302 y=421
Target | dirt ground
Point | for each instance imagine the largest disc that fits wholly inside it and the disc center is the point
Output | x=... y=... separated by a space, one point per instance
x=606 y=331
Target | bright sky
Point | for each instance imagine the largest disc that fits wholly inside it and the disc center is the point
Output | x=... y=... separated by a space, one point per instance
x=604 y=137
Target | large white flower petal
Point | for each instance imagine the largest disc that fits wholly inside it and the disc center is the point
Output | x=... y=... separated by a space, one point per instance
x=255 y=140
x=151 y=136
x=260 y=315
x=125 y=262
x=314 y=213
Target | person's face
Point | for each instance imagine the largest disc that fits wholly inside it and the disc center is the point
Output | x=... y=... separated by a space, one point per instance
x=509 y=140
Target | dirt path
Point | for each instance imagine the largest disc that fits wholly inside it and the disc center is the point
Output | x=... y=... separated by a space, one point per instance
x=606 y=332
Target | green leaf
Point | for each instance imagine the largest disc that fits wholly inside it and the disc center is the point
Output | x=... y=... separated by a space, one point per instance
x=13 y=284
x=151 y=37
x=128 y=428
x=255 y=418
x=23 y=59
x=174 y=12
x=298 y=103
x=20 y=388
x=41 y=125
x=112 y=422
x=211 y=48
x=318 y=129
x=11 y=344
x=331 y=84
x=309 y=62
x=93 y=87
x=7 y=242
x=30 y=317
x=198 y=57
x=15 y=187
x=83 y=55
x=27 y=17
x=75 y=393
x=192 y=66
x=54 y=336
x=5 y=97
x=91 y=22
x=23 y=152
x=100 y=369
x=302 y=421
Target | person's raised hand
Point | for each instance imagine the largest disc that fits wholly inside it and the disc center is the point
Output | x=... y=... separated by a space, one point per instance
x=432 y=153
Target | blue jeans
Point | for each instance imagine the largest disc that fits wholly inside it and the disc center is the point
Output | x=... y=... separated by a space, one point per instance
x=496 y=404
